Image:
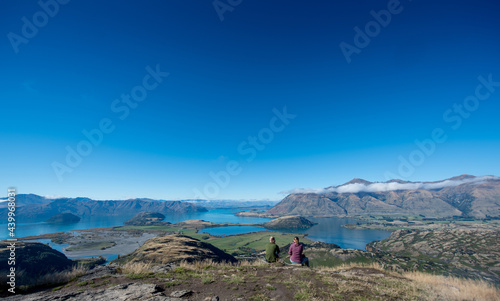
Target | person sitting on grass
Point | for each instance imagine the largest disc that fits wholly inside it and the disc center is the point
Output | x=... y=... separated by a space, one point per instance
x=272 y=250
x=296 y=253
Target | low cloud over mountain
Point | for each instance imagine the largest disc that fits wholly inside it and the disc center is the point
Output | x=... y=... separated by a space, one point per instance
x=358 y=185
x=465 y=196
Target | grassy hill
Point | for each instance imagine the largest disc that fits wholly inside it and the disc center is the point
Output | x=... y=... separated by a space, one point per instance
x=176 y=248
x=447 y=263
x=467 y=252
x=207 y=280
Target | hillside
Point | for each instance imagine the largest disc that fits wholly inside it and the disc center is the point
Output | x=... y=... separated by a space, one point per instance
x=176 y=248
x=466 y=196
x=34 y=259
x=289 y=222
x=469 y=252
x=87 y=207
x=180 y=267
x=257 y=281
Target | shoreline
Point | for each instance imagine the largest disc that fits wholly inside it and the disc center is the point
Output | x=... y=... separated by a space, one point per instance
x=122 y=240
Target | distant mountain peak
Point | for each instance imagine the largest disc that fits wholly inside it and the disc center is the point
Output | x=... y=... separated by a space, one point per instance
x=353 y=181
x=462 y=177
x=398 y=181
x=357 y=181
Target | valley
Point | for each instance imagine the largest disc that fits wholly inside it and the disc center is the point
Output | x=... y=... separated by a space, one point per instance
x=446 y=228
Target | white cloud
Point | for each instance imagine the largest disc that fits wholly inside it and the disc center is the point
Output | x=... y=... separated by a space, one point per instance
x=381 y=187
x=53 y=197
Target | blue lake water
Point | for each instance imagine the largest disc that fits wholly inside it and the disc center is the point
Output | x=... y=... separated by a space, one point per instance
x=30 y=229
x=328 y=229
x=213 y=215
x=232 y=230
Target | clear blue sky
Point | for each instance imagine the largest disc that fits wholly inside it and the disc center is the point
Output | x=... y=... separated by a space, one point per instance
x=66 y=72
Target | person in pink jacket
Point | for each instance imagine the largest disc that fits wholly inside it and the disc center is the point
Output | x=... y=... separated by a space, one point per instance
x=296 y=253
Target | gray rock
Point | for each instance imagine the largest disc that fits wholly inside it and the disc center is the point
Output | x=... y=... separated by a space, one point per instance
x=180 y=294
x=164 y=268
x=123 y=292
x=98 y=272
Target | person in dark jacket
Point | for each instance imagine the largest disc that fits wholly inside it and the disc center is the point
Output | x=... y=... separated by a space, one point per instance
x=296 y=253
x=272 y=250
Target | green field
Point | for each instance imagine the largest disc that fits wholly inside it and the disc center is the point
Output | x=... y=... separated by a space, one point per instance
x=234 y=244
x=248 y=243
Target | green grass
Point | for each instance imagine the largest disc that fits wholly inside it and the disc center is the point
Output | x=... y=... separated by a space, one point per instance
x=182 y=273
x=259 y=297
x=140 y=276
x=252 y=241
x=235 y=280
x=172 y=283
x=302 y=296
x=207 y=279
x=85 y=283
x=234 y=244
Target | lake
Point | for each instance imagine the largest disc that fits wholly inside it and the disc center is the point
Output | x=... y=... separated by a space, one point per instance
x=327 y=230
x=213 y=215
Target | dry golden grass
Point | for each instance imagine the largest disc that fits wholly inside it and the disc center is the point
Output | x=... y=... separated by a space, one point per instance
x=139 y=267
x=136 y=268
x=434 y=287
x=452 y=288
x=56 y=277
x=408 y=286
x=173 y=248
x=373 y=265
x=204 y=264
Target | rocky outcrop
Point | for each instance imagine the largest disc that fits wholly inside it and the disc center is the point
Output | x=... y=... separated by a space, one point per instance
x=129 y=291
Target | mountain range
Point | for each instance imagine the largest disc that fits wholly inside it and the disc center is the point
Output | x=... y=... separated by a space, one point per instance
x=42 y=208
x=464 y=196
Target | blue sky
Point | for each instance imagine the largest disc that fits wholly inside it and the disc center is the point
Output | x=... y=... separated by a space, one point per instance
x=430 y=73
